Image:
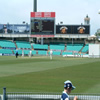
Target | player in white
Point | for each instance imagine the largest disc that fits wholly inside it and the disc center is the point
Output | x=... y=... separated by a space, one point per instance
x=30 y=53
x=67 y=90
x=23 y=53
x=51 y=52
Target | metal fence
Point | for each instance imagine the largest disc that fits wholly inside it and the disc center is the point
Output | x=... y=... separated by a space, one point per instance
x=47 y=96
x=44 y=96
x=32 y=96
x=85 y=96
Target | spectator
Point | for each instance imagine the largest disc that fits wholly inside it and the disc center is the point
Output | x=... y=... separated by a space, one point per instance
x=67 y=90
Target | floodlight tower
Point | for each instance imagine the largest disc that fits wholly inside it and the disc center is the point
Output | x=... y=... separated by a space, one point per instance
x=35 y=6
x=87 y=20
x=99 y=11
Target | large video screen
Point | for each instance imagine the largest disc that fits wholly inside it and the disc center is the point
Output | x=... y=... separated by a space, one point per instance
x=14 y=28
x=72 y=29
x=6 y=28
x=1 y=28
x=42 y=26
x=23 y=29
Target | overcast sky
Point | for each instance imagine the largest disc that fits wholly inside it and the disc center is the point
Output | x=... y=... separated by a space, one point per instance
x=69 y=11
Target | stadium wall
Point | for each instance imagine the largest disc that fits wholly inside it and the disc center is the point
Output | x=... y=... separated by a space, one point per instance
x=94 y=50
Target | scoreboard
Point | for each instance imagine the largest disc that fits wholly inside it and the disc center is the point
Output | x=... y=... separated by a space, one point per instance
x=42 y=23
x=42 y=26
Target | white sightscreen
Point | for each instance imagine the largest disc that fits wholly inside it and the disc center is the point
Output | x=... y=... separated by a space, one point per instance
x=94 y=50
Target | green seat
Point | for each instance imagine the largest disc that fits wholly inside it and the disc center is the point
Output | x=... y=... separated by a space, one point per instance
x=34 y=52
x=67 y=53
x=7 y=44
x=56 y=53
x=86 y=48
x=42 y=52
x=42 y=47
x=23 y=44
x=6 y=51
x=19 y=52
x=74 y=47
x=57 y=47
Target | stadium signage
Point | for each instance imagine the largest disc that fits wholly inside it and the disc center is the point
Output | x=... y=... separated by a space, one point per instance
x=14 y=28
x=43 y=14
x=42 y=35
x=73 y=29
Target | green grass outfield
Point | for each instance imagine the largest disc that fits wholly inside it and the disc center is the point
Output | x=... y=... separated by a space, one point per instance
x=40 y=74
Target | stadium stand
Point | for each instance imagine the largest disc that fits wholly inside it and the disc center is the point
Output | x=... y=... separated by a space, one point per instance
x=40 y=52
x=85 y=48
x=56 y=53
x=6 y=51
x=40 y=47
x=57 y=47
x=23 y=44
x=67 y=53
x=19 y=52
x=74 y=47
x=7 y=44
x=34 y=52
x=26 y=52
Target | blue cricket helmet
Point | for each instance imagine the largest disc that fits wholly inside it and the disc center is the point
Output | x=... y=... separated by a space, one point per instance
x=69 y=84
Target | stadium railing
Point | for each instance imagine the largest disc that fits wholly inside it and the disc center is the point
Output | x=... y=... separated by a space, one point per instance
x=44 y=96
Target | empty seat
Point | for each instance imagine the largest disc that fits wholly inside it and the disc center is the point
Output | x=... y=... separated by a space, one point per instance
x=6 y=51
x=7 y=44
x=40 y=47
x=57 y=47
x=42 y=52
x=67 y=53
x=56 y=53
x=74 y=47
x=21 y=44
x=86 y=48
